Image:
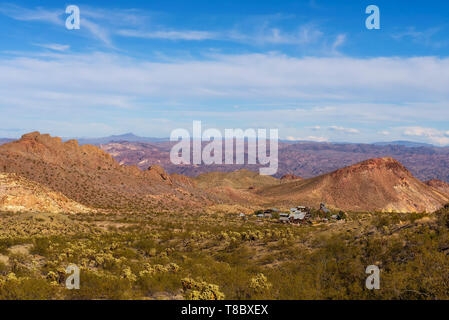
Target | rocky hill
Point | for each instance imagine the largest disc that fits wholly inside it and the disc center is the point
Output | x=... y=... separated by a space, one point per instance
x=439 y=185
x=18 y=194
x=240 y=179
x=290 y=177
x=382 y=184
x=90 y=176
x=304 y=159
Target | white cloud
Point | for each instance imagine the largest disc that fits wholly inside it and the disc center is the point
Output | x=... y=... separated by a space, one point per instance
x=97 y=31
x=37 y=14
x=421 y=132
x=269 y=88
x=303 y=35
x=169 y=35
x=344 y=130
x=384 y=132
x=54 y=46
x=57 y=17
x=339 y=41
x=341 y=82
x=309 y=138
x=309 y=34
x=432 y=135
x=306 y=34
x=424 y=37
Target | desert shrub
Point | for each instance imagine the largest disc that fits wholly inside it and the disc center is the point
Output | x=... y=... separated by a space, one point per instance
x=259 y=284
x=40 y=246
x=412 y=217
x=341 y=215
x=382 y=221
x=27 y=289
x=443 y=216
x=160 y=282
x=95 y=285
x=148 y=246
x=200 y=290
x=422 y=278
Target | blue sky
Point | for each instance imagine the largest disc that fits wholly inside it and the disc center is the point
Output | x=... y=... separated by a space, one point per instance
x=309 y=68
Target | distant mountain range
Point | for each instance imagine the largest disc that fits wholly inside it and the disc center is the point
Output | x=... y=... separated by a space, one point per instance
x=5 y=140
x=131 y=137
x=115 y=138
x=40 y=172
x=303 y=159
x=410 y=144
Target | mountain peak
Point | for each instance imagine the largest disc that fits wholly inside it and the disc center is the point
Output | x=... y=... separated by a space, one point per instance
x=290 y=177
x=376 y=164
x=380 y=184
x=125 y=135
x=31 y=135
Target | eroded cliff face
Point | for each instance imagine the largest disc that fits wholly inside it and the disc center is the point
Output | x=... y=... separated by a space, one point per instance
x=18 y=194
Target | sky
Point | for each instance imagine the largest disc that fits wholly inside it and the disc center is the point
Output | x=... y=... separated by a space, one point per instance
x=308 y=68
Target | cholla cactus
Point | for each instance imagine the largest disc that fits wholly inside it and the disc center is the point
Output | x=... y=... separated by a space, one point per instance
x=173 y=267
x=223 y=236
x=11 y=276
x=127 y=274
x=52 y=276
x=152 y=252
x=259 y=283
x=200 y=290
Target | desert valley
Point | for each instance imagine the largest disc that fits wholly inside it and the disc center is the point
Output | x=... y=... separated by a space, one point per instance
x=139 y=227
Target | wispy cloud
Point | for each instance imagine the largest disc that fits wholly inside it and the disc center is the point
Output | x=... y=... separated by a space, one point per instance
x=308 y=138
x=424 y=37
x=306 y=34
x=57 y=17
x=435 y=136
x=339 y=41
x=169 y=35
x=329 y=91
x=53 y=46
x=344 y=130
x=37 y=14
x=97 y=31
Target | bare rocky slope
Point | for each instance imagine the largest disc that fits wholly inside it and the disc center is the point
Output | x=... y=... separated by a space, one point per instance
x=382 y=184
x=92 y=177
x=239 y=179
x=303 y=159
x=439 y=185
x=18 y=194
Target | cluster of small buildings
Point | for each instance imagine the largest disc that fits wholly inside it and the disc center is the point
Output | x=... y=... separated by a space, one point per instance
x=297 y=215
x=268 y=213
